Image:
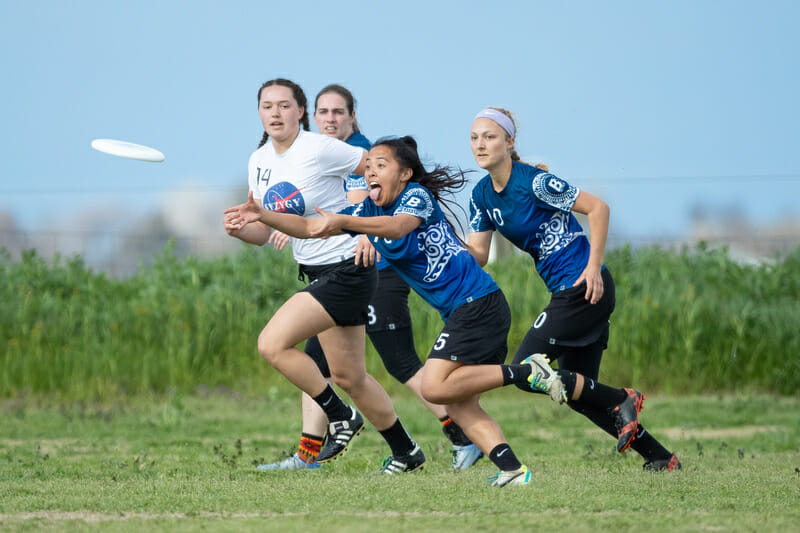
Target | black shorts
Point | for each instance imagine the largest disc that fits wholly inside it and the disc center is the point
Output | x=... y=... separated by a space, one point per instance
x=476 y=332
x=388 y=310
x=344 y=290
x=570 y=320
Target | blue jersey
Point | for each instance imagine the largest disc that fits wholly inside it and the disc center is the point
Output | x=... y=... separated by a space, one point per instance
x=533 y=211
x=354 y=182
x=431 y=259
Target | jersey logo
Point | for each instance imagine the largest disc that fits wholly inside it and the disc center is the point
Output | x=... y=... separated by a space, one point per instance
x=554 y=191
x=438 y=248
x=555 y=185
x=415 y=202
x=283 y=197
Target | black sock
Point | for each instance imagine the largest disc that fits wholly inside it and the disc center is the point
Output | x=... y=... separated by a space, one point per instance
x=503 y=457
x=593 y=392
x=398 y=439
x=334 y=407
x=648 y=447
x=454 y=432
x=516 y=374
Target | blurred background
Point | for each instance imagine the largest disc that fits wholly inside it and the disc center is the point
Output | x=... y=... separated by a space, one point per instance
x=683 y=116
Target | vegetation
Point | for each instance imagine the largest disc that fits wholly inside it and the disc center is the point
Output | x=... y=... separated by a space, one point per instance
x=689 y=322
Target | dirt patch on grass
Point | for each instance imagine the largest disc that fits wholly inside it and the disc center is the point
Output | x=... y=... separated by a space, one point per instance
x=715 y=433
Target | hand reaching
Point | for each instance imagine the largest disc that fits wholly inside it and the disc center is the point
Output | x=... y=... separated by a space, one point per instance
x=326 y=225
x=243 y=214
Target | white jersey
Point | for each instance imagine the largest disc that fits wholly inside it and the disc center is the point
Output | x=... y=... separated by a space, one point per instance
x=310 y=173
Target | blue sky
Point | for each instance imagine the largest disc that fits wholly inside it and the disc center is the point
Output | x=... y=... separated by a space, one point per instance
x=657 y=107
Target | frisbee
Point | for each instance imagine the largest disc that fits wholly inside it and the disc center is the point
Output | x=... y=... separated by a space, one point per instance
x=129 y=150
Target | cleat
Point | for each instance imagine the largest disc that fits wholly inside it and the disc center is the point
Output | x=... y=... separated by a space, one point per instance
x=626 y=418
x=404 y=463
x=340 y=433
x=544 y=379
x=293 y=462
x=465 y=456
x=663 y=464
x=522 y=476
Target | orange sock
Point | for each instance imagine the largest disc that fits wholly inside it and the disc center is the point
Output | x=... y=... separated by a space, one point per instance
x=309 y=447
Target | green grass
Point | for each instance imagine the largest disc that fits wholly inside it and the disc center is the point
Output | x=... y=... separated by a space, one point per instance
x=185 y=463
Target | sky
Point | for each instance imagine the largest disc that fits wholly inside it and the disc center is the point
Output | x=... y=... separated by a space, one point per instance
x=663 y=109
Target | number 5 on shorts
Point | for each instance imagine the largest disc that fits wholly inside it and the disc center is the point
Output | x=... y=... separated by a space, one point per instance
x=441 y=341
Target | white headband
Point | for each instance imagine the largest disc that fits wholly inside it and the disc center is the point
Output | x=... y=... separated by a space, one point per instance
x=500 y=118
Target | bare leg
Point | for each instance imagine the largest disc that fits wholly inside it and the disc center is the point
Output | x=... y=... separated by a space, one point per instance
x=299 y=318
x=447 y=382
x=415 y=384
x=344 y=348
x=314 y=420
x=477 y=424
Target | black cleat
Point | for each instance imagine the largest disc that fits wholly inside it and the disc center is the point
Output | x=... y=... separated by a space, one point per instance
x=404 y=463
x=626 y=418
x=340 y=433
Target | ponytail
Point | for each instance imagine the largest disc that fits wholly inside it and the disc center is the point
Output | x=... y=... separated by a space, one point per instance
x=514 y=155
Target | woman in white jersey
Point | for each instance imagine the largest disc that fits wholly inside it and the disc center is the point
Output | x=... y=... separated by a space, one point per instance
x=293 y=171
x=389 y=327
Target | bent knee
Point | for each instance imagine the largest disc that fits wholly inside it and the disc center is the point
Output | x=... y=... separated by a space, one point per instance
x=269 y=348
x=348 y=379
x=434 y=393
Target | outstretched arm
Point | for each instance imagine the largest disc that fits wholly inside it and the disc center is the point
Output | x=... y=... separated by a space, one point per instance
x=597 y=212
x=257 y=233
x=251 y=212
x=387 y=227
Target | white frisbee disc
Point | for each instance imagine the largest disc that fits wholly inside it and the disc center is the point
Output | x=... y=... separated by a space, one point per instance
x=129 y=150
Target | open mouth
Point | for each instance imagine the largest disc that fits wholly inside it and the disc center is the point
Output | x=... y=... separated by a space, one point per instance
x=374 y=191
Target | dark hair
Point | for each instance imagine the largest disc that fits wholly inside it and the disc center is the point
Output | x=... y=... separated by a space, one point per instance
x=299 y=97
x=438 y=181
x=349 y=100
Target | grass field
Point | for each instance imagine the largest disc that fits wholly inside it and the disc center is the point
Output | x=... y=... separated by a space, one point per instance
x=185 y=463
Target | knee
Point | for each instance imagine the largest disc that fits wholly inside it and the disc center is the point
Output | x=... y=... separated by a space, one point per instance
x=347 y=378
x=268 y=348
x=434 y=393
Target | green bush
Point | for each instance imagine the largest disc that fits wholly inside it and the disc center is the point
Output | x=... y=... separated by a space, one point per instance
x=694 y=321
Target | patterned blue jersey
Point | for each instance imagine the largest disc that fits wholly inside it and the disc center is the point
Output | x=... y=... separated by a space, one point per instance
x=354 y=182
x=533 y=211
x=430 y=258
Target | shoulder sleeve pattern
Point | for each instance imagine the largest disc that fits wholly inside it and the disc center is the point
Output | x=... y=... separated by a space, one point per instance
x=354 y=182
x=554 y=191
x=416 y=202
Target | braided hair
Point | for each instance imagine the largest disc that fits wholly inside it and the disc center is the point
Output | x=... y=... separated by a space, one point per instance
x=299 y=97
